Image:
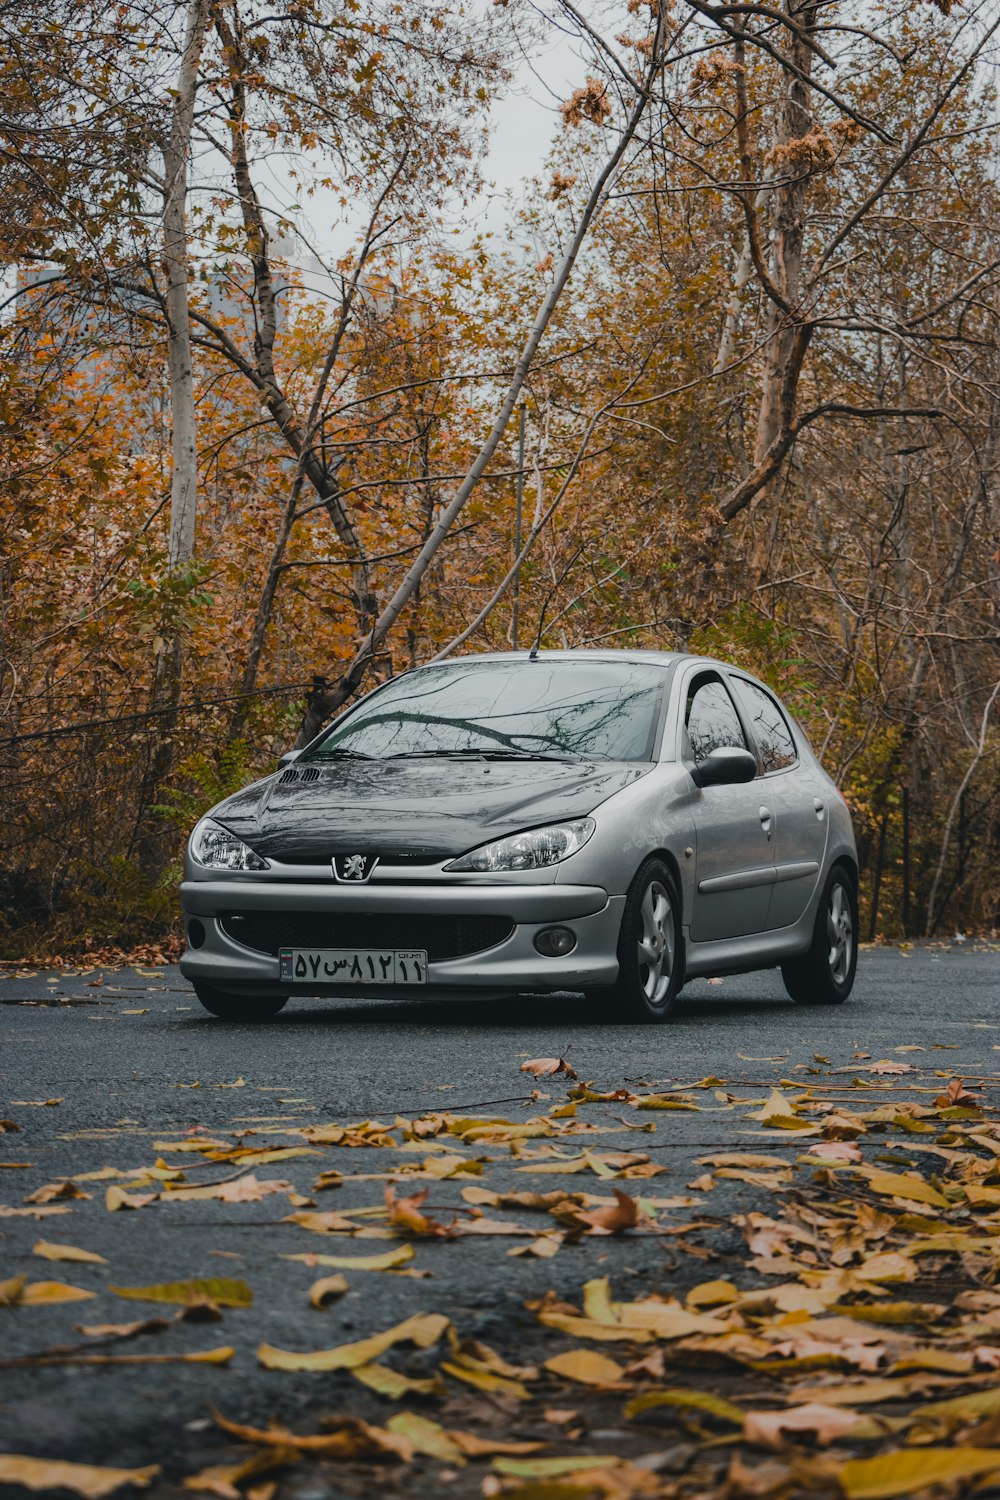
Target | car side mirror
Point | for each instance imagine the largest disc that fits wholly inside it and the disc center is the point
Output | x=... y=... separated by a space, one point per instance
x=289 y=758
x=725 y=766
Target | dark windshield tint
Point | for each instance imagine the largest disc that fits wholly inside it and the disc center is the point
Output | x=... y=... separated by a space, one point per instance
x=599 y=710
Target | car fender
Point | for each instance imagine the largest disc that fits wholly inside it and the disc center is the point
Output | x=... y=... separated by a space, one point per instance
x=653 y=813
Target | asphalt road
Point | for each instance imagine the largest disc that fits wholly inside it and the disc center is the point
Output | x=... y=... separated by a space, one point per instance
x=133 y=1059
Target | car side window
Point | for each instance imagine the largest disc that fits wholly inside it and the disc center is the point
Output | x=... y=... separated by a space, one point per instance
x=770 y=730
x=711 y=719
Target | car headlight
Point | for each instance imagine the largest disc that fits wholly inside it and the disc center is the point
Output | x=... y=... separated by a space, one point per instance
x=529 y=851
x=217 y=849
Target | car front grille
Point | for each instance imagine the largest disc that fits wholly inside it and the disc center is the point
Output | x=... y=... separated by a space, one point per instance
x=441 y=936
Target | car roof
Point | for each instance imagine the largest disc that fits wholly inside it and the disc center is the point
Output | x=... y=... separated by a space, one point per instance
x=584 y=653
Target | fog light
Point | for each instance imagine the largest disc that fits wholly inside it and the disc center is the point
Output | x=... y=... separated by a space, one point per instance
x=555 y=942
x=196 y=932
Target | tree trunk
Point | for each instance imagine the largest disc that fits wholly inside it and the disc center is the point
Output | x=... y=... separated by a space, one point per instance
x=169 y=662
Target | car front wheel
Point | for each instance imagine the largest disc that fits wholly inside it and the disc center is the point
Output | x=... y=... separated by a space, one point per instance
x=650 y=967
x=238 y=1007
x=825 y=975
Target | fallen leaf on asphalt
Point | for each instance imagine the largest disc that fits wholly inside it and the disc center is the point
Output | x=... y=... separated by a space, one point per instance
x=49 y=1251
x=116 y=1199
x=39 y=1293
x=704 y=1403
x=245 y=1189
x=427 y=1437
x=222 y=1290
x=825 y=1423
x=123 y=1330
x=548 y=1067
x=54 y=1192
x=351 y=1438
x=550 y=1468
x=8 y=1127
x=389 y=1260
x=390 y=1383
x=37 y=1103
x=616 y=1220
x=19 y=1292
x=902 y=1473
x=224 y=1479
x=83 y=1479
x=423 y=1329
x=470 y=1372
x=542 y=1248
x=586 y=1367
x=845 y=1152
x=405 y=1215
x=328 y=1290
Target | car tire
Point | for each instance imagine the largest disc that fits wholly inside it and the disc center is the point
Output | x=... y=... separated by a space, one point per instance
x=646 y=991
x=825 y=975
x=238 y=1007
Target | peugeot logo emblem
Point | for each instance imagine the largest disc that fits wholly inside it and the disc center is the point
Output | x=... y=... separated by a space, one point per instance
x=354 y=867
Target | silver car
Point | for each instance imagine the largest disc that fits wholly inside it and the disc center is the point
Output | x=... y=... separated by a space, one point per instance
x=612 y=822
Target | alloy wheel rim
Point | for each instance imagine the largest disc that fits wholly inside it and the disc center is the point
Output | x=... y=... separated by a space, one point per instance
x=655 y=948
x=840 y=932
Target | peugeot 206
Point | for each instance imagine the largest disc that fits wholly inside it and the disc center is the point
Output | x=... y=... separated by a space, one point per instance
x=604 y=822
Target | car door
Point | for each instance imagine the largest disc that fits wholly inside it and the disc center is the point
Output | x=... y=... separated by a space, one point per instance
x=734 y=852
x=788 y=783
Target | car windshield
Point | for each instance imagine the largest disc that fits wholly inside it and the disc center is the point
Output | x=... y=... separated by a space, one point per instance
x=520 y=709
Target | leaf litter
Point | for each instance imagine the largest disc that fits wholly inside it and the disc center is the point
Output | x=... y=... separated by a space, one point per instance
x=856 y=1338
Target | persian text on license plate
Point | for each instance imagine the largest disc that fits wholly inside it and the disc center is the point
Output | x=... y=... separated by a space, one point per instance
x=353 y=965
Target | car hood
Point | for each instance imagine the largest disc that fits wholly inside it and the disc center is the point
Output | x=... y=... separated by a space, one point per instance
x=433 y=809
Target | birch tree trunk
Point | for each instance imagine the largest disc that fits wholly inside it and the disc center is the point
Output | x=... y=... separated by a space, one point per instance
x=169 y=666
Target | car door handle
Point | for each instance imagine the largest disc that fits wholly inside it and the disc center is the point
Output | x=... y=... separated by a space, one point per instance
x=820 y=807
x=765 y=820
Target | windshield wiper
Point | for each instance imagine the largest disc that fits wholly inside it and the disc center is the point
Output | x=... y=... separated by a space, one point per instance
x=529 y=755
x=437 y=754
x=342 y=752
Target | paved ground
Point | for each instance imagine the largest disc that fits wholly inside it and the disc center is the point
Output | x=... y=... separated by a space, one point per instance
x=134 y=1059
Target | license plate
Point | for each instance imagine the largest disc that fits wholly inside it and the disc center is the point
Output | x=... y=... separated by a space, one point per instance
x=353 y=965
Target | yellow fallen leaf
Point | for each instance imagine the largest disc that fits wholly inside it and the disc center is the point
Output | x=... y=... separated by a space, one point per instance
x=542 y=1248
x=712 y=1294
x=10 y=1291
x=597 y=1302
x=116 y=1198
x=903 y=1473
x=906 y=1185
x=426 y=1436
x=586 y=1367
x=224 y=1479
x=83 y=1479
x=390 y=1383
x=49 y=1251
x=703 y=1401
x=350 y=1437
x=486 y=1380
x=221 y=1290
x=328 y=1289
x=424 y=1329
x=550 y=1468
x=389 y=1260
x=589 y=1328
x=38 y=1293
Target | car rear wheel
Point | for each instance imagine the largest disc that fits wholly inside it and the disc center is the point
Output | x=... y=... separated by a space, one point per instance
x=238 y=1007
x=650 y=965
x=825 y=975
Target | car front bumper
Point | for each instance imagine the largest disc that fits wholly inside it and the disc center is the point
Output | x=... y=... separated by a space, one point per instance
x=510 y=966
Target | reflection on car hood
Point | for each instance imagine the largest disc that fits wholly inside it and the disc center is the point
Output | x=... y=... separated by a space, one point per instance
x=430 y=808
